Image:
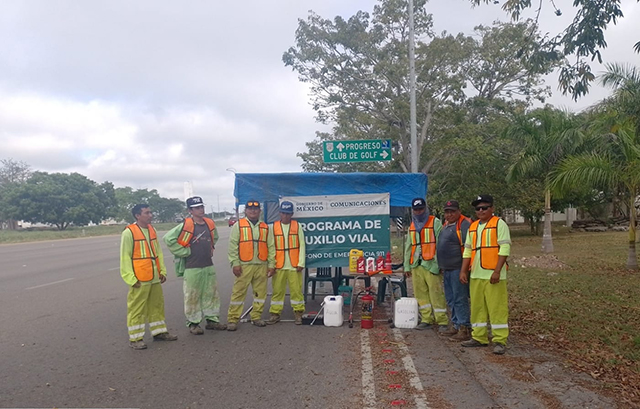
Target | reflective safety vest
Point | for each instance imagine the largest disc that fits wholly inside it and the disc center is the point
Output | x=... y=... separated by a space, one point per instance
x=425 y=238
x=245 y=245
x=488 y=247
x=458 y=232
x=282 y=245
x=188 y=227
x=143 y=256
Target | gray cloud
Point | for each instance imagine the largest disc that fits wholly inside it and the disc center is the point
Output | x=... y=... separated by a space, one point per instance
x=155 y=94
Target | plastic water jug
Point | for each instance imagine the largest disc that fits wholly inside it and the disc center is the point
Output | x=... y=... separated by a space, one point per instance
x=333 y=311
x=406 y=313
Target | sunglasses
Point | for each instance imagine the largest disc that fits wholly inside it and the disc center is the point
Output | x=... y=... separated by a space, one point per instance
x=478 y=208
x=253 y=204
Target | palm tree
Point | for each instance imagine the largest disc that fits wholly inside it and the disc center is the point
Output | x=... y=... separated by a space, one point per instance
x=612 y=164
x=624 y=80
x=547 y=136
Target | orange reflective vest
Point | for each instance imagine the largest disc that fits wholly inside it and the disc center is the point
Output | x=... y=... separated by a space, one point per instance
x=184 y=239
x=292 y=244
x=488 y=247
x=245 y=244
x=458 y=224
x=143 y=256
x=425 y=238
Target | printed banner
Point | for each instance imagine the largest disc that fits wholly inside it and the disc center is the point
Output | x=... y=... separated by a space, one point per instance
x=333 y=225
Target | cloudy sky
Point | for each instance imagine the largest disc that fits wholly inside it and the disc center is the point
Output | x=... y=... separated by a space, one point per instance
x=152 y=94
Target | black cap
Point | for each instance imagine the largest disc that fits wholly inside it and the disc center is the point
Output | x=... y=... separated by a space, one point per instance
x=482 y=199
x=418 y=203
x=252 y=203
x=452 y=205
x=194 y=201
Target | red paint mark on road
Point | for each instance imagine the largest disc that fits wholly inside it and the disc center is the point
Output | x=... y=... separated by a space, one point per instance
x=389 y=361
x=392 y=372
x=387 y=350
x=395 y=386
x=398 y=402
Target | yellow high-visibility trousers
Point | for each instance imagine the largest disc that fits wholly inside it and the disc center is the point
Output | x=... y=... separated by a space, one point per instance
x=256 y=276
x=489 y=302
x=145 y=304
x=279 y=283
x=428 y=290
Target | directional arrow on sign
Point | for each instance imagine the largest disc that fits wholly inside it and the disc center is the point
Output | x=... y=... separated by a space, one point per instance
x=384 y=154
x=340 y=146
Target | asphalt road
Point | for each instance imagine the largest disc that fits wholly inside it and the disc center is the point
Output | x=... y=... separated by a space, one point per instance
x=64 y=344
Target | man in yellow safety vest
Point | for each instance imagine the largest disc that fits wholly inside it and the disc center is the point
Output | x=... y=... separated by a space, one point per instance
x=420 y=263
x=142 y=269
x=288 y=238
x=252 y=259
x=486 y=250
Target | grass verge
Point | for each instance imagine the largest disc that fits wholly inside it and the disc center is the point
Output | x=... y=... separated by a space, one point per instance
x=583 y=304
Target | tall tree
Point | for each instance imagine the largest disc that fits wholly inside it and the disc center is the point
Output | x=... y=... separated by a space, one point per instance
x=508 y=61
x=61 y=199
x=358 y=71
x=584 y=38
x=546 y=136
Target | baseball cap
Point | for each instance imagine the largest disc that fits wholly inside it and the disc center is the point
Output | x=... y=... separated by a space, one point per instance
x=286 y=207
x=482 y=199
x=418 y=203
x=194 y=201
x=252 y=203
x=452 y=205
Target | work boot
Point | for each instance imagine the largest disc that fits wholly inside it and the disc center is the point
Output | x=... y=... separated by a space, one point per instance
x=447 y=331
x=273 y=318
x=138 y=344
x=215 y=325
x=298 y=317
x=165 y=336
x=423 y=325
x=472 y=343
x=259 y=323
x=463 y=334
x=195 y=329
x=499 y=349
x=232 y=326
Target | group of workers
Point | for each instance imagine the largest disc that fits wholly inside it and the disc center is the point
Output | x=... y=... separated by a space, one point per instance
x=448 y=264
x=257 y=251
x=460 y=265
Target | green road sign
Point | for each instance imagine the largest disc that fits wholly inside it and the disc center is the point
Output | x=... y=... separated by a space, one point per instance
x=357 y=151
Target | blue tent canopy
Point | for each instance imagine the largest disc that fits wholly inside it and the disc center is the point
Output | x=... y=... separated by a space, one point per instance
x=269 y=187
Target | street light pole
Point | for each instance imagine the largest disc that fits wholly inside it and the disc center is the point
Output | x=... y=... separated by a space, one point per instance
x=412 y=91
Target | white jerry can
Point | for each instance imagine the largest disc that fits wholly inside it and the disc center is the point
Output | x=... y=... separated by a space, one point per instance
x=405 y=314
x=333 y=311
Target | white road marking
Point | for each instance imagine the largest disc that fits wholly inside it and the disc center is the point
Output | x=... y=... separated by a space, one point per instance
x=48 y=284
x=368 y=382
x=414 y=379
x=115 y=268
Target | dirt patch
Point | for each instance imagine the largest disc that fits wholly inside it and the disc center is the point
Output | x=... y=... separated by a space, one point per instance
x=532 y=377
x=546 y=261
